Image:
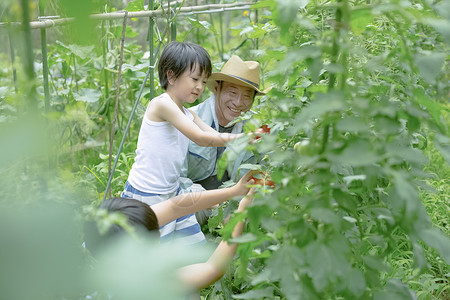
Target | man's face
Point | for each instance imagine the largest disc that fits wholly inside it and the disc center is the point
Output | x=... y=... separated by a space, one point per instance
x=231 y=100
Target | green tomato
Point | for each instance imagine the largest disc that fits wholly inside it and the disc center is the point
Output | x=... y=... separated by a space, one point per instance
x=301 y=147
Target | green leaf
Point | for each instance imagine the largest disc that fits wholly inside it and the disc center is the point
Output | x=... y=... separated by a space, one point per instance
x=323 y=103
x=433 y=237
x=215 y=219
x=360 y=19
x=82 y=52
x=202 y=24
x=245 y=238
x=284 y=265
x=395 y=290
x=130 y=33
x=324 y=215
x=433 y=107
x=430 y=65
x=442 y=143
x=228 y=229
x=409 y=194
x=406 y=153
x=327 y=262
x=352 y=124
x=441 y=26
x=356 y=282
x=88 y=95
x=256 y=294
x=420 y=261
x=136 y=5
x=357 y=153
x=264 y=4
x=375 y=263
x=222 y=165
x=134 y=68
x=386 y=125
x=285 y=14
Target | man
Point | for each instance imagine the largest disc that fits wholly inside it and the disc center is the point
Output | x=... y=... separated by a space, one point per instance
x=234 y=89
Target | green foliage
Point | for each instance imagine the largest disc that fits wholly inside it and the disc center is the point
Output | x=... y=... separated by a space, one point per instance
x=350 y=196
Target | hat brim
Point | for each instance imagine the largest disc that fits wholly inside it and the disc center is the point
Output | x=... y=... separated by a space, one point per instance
x=224 y=77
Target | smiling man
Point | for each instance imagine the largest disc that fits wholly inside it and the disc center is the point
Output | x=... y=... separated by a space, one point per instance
x=234 y=89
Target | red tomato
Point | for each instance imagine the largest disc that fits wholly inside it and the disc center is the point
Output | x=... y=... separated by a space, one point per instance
x=266 y=128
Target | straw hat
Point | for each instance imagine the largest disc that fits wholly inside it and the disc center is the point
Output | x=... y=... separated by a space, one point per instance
x=235 y=70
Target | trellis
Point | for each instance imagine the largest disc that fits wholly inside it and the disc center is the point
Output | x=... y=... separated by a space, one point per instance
x=172 y=9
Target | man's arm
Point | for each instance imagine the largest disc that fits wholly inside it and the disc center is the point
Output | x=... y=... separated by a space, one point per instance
x=203 y=274
x=185 y=204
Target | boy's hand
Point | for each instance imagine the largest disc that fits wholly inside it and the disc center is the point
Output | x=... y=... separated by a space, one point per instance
x=241 y=188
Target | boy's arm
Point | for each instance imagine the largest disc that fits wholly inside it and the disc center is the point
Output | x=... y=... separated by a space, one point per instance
x=185 y=204
x=202 y=125
x=169 y=111
x=203 y=274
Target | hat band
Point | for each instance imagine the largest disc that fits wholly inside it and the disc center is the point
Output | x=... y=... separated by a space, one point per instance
x=245 y=80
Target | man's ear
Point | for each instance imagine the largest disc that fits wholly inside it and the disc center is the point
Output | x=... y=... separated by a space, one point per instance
x=216 y=86
x=171 y=77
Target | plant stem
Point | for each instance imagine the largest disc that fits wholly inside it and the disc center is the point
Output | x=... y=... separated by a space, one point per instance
x=105 y=72
x=28 y=65
x=14 y=71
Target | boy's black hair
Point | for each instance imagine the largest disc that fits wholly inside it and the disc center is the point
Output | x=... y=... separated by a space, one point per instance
x=178 y=57
x=139 y=215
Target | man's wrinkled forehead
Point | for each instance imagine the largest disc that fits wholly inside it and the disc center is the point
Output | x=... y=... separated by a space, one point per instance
x=234 y=86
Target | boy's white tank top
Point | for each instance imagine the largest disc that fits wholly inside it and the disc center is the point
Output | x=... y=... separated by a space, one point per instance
x=161 y=150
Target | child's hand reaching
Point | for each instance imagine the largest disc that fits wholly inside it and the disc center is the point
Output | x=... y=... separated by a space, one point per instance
x=241 y=188
x=247 y=200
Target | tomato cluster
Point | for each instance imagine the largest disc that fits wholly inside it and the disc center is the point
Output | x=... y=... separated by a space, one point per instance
x=262 y=130
x=264 y=180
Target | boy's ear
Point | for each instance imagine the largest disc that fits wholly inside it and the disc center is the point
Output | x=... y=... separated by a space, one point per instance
x=171 y=77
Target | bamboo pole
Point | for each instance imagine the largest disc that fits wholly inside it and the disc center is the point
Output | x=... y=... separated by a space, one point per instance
x=44 y=60
x=256 y=23
x=201 y=9
x=150 y=36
